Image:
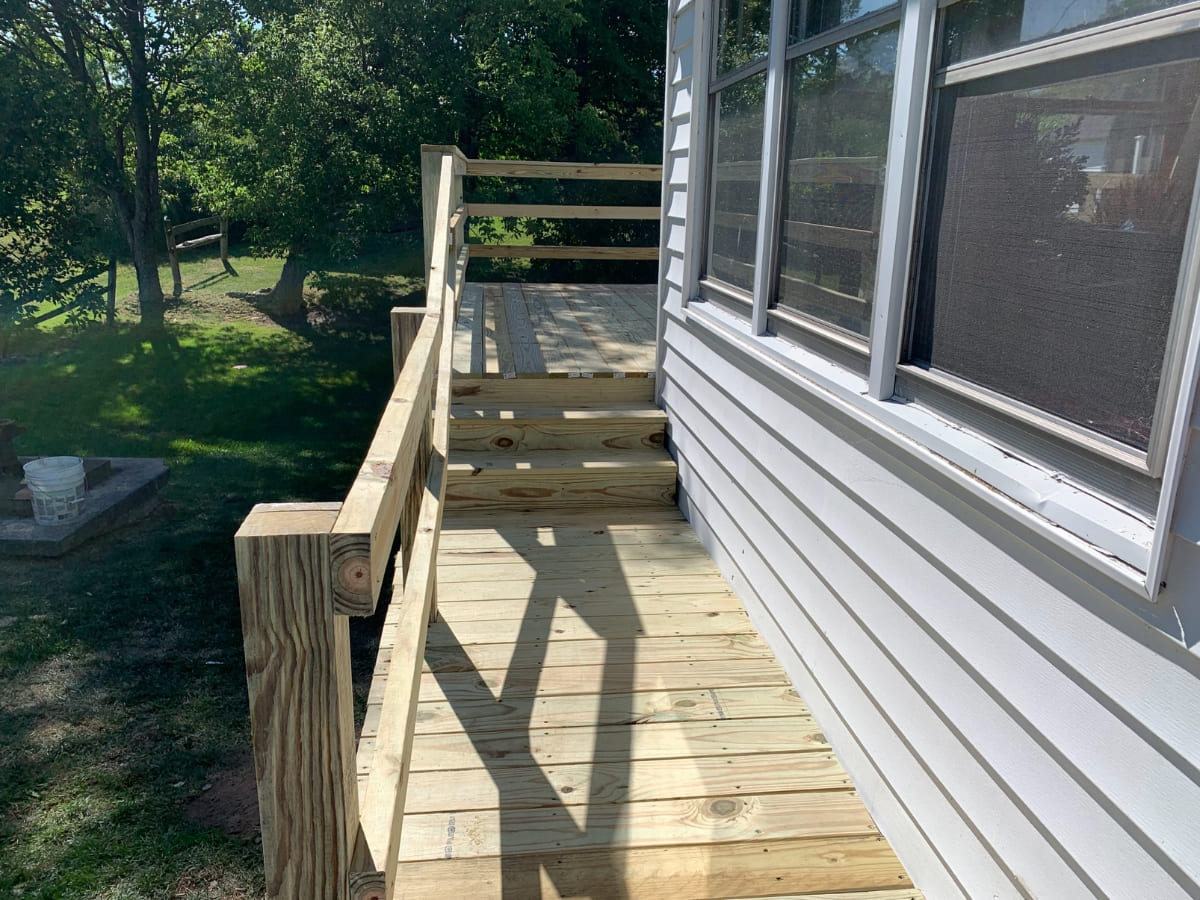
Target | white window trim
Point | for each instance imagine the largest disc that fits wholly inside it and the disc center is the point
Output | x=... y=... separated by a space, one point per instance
x=1111 y=540
x=772 y=149
x=901 y=192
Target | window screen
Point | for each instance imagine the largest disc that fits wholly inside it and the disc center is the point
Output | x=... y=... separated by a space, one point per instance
x=1054 y=237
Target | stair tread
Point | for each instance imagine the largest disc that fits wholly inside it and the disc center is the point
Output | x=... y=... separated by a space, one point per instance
x=535 y=413
x=543 y=460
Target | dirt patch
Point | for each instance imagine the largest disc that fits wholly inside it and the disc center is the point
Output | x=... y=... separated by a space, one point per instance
x=229 y=801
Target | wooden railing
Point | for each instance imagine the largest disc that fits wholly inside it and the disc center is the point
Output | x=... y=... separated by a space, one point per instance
x=304 y=568
x=332 y=813
x=175 y=245
x=508 y=168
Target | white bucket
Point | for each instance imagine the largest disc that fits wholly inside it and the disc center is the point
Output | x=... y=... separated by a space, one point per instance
x=58 y=488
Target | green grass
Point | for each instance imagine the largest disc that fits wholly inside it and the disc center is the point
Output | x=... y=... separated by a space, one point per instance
x=122 y=690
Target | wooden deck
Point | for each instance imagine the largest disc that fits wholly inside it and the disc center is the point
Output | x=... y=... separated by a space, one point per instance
x=555 y=329
x=598 y=718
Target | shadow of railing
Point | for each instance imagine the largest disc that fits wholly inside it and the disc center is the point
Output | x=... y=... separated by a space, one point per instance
x=519 y=777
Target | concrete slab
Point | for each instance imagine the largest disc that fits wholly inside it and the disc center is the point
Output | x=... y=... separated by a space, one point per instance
x=127 y=494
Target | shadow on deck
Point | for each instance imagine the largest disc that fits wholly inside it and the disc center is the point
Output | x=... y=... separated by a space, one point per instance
x=568 y=700
x=555 y=329
x=598 y=718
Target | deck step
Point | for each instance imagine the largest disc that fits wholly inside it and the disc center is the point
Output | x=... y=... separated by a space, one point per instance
x=600 y=392
x=507 y=429
x=544 y=478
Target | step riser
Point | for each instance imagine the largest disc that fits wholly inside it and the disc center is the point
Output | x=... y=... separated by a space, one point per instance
x=561 y=489
x=595 y=393
x=514 y=436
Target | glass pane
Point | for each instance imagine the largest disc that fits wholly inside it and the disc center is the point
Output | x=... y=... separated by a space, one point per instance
x=840 y=102
x=737 y=169
x=742 y=31
x=821 y=15
x=979 y=27
x=1054 y=241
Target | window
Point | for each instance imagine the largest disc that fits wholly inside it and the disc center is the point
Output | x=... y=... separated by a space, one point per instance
x=839 y=101
x=1057 y=213
x=987 y=212
x=737 y=139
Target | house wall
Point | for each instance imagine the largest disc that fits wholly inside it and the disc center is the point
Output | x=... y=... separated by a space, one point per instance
x=1019 y=724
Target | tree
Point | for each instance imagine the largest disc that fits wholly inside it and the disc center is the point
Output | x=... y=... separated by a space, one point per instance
x=295 y=145
x=52 y=226
x=118 y=68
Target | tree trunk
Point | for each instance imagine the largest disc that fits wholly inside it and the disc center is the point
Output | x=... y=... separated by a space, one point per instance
x=287 y=299
x=147 y=208
x=138 y=205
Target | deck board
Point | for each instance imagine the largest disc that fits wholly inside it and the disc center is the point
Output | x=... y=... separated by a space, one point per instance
x=598 y=718
x=555 y=329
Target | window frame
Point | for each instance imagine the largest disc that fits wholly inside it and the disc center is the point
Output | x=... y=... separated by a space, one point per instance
x=1075 y=46
x=913 y=114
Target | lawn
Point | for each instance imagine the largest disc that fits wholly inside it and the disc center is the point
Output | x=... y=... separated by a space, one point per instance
x=124 y=739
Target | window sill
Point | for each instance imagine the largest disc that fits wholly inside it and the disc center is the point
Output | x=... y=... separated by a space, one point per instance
x=1111 y=540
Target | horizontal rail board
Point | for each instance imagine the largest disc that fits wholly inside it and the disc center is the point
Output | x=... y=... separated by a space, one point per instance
x=554 y=211
x=537 y=251
x=514 y=168
x=199 y=242
x=361 y=541
x=194 y=225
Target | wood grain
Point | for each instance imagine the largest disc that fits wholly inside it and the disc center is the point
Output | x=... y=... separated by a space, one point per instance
x=649 y=706
x=301 y=709
x=716 y=817
x=529 y=391
x=698 y=871
x=613 y=743
x=544 y=251
x=555 y=211
x=513 y=168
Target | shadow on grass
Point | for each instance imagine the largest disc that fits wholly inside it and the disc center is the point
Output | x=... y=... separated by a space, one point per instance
x=121 y=677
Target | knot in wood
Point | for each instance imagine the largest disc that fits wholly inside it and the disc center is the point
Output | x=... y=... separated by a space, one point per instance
x=723 y=808
x=355 y=575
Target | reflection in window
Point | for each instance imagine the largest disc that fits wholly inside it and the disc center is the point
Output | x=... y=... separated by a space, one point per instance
x=811 y=17
x=737 y=158
x=979 y=27
x=840 y=101
x=1054 y=240
x=742 y=31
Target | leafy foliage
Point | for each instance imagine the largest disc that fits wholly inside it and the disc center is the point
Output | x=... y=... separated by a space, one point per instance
x=109 y=78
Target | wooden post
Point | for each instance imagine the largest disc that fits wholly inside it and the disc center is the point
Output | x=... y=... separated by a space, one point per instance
x=431 y=168
x=173 y=256
x=110 y=316
x=301 y=703
x=406 y=321
x=225 y=241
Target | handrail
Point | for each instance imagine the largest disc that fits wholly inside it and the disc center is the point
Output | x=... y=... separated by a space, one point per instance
x=517 y=168
x=521 y=168
x=303 y=569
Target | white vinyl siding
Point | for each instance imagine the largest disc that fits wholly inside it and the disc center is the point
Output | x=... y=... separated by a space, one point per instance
x=1019 y=723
